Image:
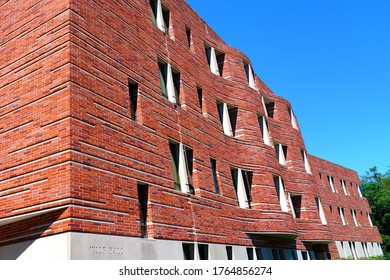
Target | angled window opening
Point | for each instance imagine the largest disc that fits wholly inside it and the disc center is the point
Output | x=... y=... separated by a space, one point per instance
x=189 y=36
x=229 y=252
x=281 y=153
x=242 y=181
x=133 y=94
x=306 y=161
x=160 y=15
x=169 y=81
x=353 y=214
x=293 y=119
x=278 y=181
x=203 y=250
x=296 y=205
x=199 y=91
x=250 y=75
x=269 y=107
x=228 y=118
x=259 y=254
x=213 y=164
x=143 y=192
x=369 y=219
x=305 y=255
x=182 y=167
x=215 y=60
x=331 y=184
x=342 y=183
x=250 y=253
x=188 y=251
x=264 y=129
x=342 y=217
x=320 y=210
x=359 y=189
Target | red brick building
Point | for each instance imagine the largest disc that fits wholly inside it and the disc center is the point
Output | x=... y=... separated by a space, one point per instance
x=130 y=130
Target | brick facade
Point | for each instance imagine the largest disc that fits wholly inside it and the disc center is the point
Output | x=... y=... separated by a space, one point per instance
x=72 y=154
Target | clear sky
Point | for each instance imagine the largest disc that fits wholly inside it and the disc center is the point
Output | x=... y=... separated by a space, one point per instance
x=330 y=59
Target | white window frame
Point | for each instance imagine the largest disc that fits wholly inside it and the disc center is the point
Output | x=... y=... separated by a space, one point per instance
x=342 y=217
x=283 y=200
x=343 y=186
x=331 y=183
x=280 y=153
x=306 y=161
x=321 y=211
x=250 y=75
x=293 y=118
x=243 y=197
x=264 y=130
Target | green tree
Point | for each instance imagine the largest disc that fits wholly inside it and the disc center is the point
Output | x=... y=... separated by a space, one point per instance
x=376 y=188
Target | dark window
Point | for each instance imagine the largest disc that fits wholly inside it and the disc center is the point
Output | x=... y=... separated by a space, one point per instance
x=278 y=254
x=143 y=191
x=270 y=107
x=294 y=255
x=203 y=250
x=229 y=252
x=189 y=36
x=175 y=150
x=247 y=180
x=249 y=252
x=213 y=164
x=188 y=251
x=259 y=254
x=297 y=205
x=305 y=255
x=200 y=97
x=133 y=92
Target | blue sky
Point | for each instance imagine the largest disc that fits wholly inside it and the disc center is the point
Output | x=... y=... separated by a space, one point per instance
x=330 y=59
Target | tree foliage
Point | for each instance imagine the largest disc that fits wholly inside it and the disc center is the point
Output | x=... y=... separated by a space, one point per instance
x=376 y=188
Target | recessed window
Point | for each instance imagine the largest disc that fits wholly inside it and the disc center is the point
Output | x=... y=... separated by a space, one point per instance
x=281 y=153
x=215 y=60
x=305 y=255
x=143 y=190
x=278 y=254
x=369 y=219
x=320 y=210
x=170 y=81
x=182 y=167
x=269 y=107
x=203 y=250
x=359 y=189
x=264 y=129
x=259 y=254
x=213 y=164
x=250 y=253
x=133 y=93
x=229 y=252
x=306 y=162
x=353 y=214
x=160 y=15
x=242 y=181
x=342 y=217
x=293 y=119
x=188 y=251
x=228 y=118
x=296 y=203
x=189 y=36
x=342 y=183
x=199 y=91
x=250 y=75
x=278 y=181
x=331 y=184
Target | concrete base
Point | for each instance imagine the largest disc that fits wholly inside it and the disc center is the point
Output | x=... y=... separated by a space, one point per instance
x=85 y=246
